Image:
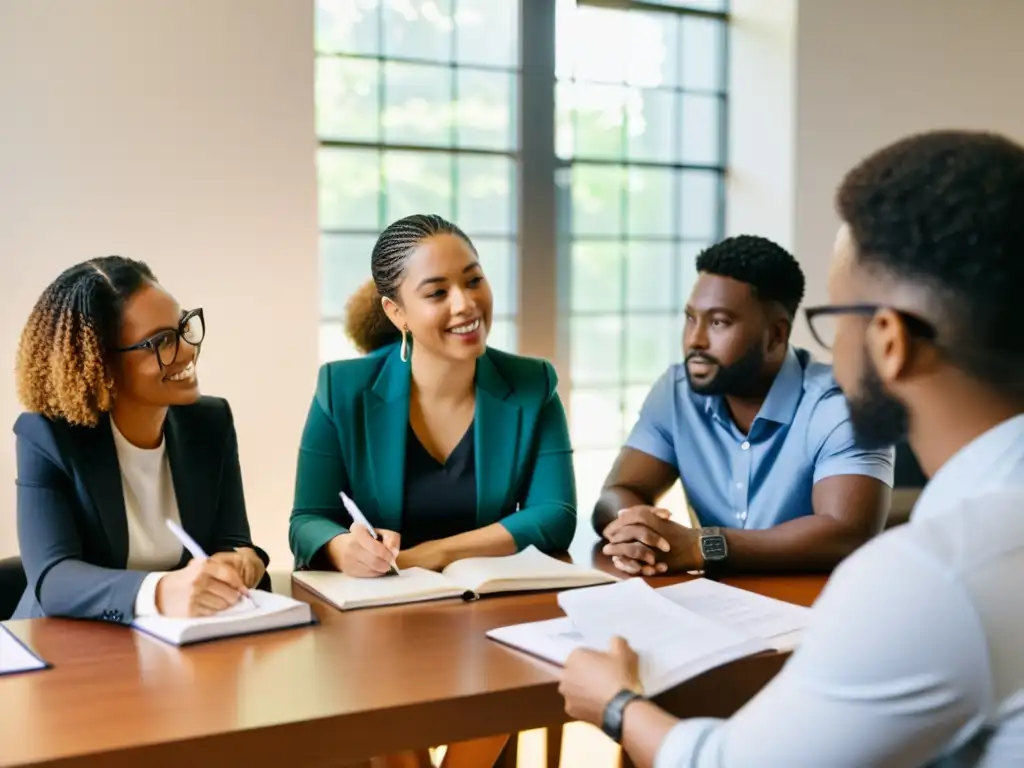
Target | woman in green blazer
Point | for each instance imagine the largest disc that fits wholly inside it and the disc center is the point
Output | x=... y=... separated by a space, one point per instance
x=449 y=448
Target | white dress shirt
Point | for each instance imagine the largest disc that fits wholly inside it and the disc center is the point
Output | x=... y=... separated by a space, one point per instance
x=149 y=501
x=915 y=654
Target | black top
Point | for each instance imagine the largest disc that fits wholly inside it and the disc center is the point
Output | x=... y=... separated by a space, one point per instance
x=440 y=499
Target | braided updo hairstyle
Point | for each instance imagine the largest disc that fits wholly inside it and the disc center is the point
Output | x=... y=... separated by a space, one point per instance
x=62 y=368
x=366 y=322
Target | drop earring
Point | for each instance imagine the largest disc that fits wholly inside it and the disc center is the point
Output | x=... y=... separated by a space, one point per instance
x=405 y=344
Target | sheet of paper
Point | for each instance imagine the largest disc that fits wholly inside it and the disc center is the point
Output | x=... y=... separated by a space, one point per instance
x=670 y=639
x=15 y=657
x=748 y=612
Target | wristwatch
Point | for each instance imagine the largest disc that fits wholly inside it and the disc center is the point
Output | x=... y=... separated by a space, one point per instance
x=611 y=721
x=713 y=548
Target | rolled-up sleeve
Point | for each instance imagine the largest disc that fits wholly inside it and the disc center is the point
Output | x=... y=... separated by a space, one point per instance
x=837 y=450
x=653 y=432
x=894 y=665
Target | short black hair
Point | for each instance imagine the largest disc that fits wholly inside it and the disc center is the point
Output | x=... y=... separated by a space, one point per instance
x=769 y=269
x=945 y=210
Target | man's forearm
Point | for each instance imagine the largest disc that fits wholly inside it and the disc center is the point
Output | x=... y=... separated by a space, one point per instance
x=644 y=728
x=816 y=542
x=610 y=502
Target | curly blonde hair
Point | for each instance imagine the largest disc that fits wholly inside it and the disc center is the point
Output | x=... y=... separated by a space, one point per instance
x=366 y=323
x=62 y=368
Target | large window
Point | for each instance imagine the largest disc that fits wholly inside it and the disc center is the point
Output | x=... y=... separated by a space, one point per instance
x=418 y=111
x=415 y=106
x=640 y=134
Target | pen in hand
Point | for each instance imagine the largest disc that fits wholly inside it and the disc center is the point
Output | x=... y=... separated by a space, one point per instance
x=196 y=551
x=359 y=517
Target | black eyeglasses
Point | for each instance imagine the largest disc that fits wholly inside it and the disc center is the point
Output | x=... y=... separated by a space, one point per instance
x=165 y=344
x=822 y=321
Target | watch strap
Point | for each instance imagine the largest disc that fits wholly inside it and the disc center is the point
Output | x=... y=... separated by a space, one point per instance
x=611 y=721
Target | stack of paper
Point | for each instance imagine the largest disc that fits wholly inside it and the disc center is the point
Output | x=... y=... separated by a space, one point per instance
x=678 y=632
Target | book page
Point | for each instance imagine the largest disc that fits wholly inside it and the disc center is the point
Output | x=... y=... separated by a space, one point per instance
x=525 y=570
x=349 y=592
x=15 y=657
x=748 y=612
x=673 y=642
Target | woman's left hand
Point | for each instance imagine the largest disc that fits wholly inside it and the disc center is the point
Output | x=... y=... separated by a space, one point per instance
x=246 y=562
x=430 y=555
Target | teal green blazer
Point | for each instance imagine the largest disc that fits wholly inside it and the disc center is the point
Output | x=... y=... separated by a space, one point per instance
x=355 y=435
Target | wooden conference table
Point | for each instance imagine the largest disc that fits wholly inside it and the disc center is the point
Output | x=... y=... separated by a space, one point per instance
x=361 y=683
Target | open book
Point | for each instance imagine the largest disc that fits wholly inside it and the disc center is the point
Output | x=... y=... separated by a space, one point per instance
x=264 y=612
x=15 y=657
x=675 y=643
x=468 y=579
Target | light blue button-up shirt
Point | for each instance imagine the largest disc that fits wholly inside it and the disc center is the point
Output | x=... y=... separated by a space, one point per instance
x=801 y=435
x=914 y=655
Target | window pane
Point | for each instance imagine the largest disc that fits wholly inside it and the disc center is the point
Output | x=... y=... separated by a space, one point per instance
x=649 y=276
x=567 y=38
x=498 y=259
x=652 y=134
x=634 y=401
x=595 y=344
x=417 y=182
x=349 y=188
x=344 y=267
x=503 y=334
x=650 y=341
x=334 y=344
x=651 y=210
x=417 y=104
x=346 y=99
x=688 y=268
x=565 y=130
x=596 y=276
x=653 y=49
x=591 y=469
x=703 y=48
x=600 y=114
x=701 y=130
x=596 y=418
x=485 y=194
x=602 y=51
x=487 y=32
x=597 y=192
x=418 y=30
x=699 y=205
x=347 y=26
x=485 y=110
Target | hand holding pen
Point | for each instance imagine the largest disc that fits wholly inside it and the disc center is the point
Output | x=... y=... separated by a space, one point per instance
x=364 y=551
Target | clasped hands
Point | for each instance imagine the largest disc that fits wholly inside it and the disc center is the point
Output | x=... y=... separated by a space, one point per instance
x=357 y=553
x=207 y=586
x=643 y=541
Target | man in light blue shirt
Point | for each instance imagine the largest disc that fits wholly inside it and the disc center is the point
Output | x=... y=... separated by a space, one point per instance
x=913 y=655
x=758 y=433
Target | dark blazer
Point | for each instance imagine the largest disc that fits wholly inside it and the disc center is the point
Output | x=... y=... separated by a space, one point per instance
x=72 y=524
x=355 y=435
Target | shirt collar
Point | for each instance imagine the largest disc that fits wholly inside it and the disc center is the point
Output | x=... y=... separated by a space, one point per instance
x=783 y=396
x=991 y=461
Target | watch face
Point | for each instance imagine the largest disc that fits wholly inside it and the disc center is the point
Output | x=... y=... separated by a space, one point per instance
x=713 y=547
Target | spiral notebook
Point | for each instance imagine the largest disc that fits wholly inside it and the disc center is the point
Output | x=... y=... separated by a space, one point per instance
x=15 y=657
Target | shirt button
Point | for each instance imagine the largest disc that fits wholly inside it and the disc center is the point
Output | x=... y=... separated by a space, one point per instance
x=742 y=515
x=745 y=445
x=739 y=485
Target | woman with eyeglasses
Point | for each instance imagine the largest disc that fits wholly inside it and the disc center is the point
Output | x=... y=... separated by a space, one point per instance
x=116 y=441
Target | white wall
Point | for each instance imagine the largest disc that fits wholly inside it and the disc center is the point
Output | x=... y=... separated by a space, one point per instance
x=865 y=73
x=179 y=132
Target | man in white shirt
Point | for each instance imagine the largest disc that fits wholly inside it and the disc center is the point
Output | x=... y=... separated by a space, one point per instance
x=915 y=655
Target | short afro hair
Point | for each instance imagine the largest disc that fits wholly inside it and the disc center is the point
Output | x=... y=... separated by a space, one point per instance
x=945 y=210
x=768 y=268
